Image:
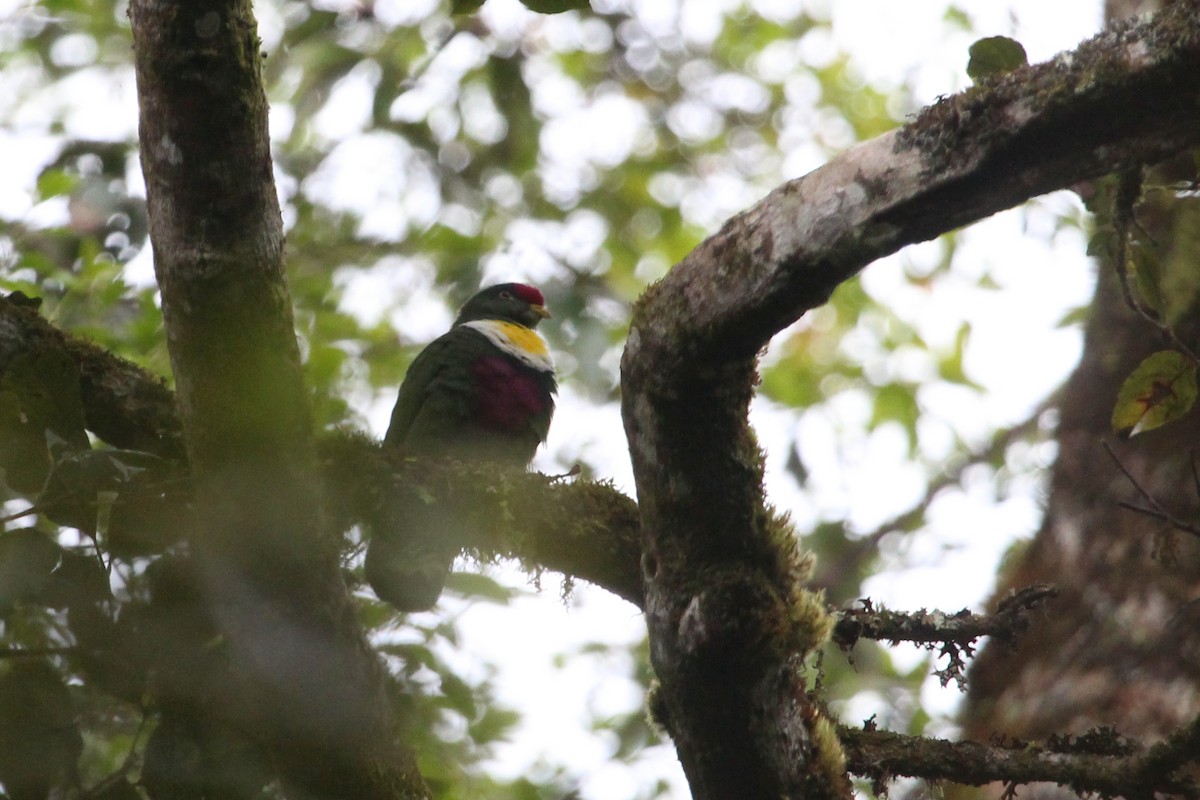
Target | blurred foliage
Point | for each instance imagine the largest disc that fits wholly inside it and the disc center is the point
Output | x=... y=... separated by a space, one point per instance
x=420 y=149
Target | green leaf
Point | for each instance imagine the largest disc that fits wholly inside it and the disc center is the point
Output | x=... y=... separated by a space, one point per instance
x=78 y=579
x=24 y=459
x=958 y=18
x=1160 y=390
x=555 y=6
x=1146 y=270
x=494 y=724
x=896 y=403
x=458 y=7
x=138 y=494
x=1075 y=316
x=950 y=365
x=995 y=55
x=55 y=182
x=112 y=653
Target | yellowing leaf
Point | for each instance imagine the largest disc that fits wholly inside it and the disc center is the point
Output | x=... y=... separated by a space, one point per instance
x=1160 y=390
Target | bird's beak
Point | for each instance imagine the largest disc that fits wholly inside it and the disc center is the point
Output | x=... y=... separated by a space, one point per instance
x=541 y=311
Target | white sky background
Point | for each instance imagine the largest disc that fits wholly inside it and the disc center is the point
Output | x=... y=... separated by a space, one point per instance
x=1015 y=352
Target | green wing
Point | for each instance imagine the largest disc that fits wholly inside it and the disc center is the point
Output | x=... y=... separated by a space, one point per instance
x=437 y=388
x=438 y=409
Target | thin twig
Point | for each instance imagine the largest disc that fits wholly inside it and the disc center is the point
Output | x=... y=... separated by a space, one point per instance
x=1154 y=509
x=934 y=627
x=953 y=635
x=20 y=514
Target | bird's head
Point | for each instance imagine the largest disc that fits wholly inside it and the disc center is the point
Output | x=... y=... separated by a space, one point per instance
x=514 y=302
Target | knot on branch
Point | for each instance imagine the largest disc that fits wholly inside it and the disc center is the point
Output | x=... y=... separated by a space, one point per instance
x=742 y=612
x=737 y=614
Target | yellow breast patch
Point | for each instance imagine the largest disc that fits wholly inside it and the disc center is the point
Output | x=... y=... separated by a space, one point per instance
x=516 y=340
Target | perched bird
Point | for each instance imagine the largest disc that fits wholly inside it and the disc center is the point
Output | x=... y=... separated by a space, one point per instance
x=483 y=391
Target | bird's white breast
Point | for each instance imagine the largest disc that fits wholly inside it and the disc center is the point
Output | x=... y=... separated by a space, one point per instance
x=518 y=341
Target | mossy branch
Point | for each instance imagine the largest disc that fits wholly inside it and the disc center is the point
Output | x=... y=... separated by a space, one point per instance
x=934 y=627
x=1100 y=761
x=586 y=529
x=125 y=405
x=955 y=634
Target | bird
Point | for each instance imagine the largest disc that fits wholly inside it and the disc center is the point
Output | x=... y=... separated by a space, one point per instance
x=484 y=392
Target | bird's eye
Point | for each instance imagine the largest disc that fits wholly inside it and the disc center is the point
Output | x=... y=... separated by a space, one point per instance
x=506 y=296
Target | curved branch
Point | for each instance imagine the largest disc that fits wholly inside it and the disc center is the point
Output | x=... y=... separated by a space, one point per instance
x=713 y=554
x=1034 y=130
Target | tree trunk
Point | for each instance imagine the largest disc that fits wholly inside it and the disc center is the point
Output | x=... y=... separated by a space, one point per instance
x=1121 y=646
x=306 y=684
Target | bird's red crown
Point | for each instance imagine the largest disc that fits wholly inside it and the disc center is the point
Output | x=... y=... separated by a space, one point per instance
x=529 y=294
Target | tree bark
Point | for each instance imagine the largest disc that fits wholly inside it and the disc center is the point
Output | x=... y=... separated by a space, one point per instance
x=728 y=622
x=1121 y=645
x=310 y=687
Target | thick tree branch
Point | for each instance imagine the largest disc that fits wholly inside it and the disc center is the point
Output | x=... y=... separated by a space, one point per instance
x=720 y=599
x=123 y=404
x=585 y=529
x=1037 y=129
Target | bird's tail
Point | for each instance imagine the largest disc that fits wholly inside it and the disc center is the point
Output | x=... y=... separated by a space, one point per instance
x=409 y=558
